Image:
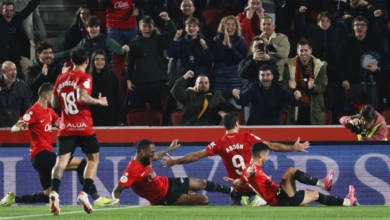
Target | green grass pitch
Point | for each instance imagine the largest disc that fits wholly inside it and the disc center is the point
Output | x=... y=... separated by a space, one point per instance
x=199 y=212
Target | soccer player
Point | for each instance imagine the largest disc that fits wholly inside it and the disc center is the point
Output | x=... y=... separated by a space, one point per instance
x=161 y=190
x=39 y=119
x=72 y=91
x=285 y=193
x=234 y=149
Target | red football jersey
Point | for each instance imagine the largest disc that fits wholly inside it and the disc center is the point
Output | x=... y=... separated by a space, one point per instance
x=262 y=185
x=235 y=151
x=39 y=122
x=144 y=181
x=76 y=119
x=119 y=15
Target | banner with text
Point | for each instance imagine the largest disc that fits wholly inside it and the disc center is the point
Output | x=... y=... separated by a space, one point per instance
x=367 y=167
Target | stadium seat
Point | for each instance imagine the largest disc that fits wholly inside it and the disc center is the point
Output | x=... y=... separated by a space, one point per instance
x=241 y=116
x=328 y=117
x=176 y=117
x=144 y=117
x=212 y=16
x=284 y=117
x=386 y=115
x=331 y=96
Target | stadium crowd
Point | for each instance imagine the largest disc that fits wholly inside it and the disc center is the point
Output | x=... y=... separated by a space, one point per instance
x=273 y=62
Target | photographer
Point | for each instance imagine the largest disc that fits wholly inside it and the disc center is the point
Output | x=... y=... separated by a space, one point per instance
x=369 y=125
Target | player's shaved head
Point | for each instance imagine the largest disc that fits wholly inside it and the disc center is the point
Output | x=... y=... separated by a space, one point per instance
x=44 y=88
x=143 y=145
x=258 y=148
x=230 y=120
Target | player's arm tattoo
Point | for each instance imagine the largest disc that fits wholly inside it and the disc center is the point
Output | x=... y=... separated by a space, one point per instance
x=161 y=153
x=278 y=147
x=55 y=101
x=83 y=97
x=191 y=157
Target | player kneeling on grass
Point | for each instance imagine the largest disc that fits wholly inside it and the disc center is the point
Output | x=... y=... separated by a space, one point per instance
x=39 y=119
x=161 y=190
x=286 y=194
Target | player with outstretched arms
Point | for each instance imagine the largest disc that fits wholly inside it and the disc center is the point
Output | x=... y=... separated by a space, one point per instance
x=161 y=190
x=234 y=149
x=72 y=91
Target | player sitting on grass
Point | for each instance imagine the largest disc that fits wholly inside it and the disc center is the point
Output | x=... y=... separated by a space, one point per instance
x=39 y=119
x=286 y=194
x=162 y=190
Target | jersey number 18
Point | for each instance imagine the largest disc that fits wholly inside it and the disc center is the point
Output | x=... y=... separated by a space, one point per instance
x=70 y=103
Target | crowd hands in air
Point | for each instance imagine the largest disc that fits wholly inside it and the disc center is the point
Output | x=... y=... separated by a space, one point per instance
x=238 y=66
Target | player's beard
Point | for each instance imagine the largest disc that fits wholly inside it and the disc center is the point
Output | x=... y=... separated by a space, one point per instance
x=145 y=161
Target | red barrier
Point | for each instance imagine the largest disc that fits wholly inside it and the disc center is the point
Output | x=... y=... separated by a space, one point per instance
x=201 y=134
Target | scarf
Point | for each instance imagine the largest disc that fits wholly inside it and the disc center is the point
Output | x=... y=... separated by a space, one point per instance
x=302 y=82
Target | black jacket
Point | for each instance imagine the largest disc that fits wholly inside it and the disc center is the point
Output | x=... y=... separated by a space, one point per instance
x=146 y=62
x=14 y=102
x=193 y=104
x=267 y=104
x=248 y=70
x=348 y=61
x=13 y=46
x=109 y=87
x=35 y=78
x=73 y=35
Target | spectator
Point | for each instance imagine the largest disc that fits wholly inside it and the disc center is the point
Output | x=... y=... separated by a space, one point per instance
x=306 y=74
x=229 y=49
x=105 y=83
x=278 y=45
x=201 y=106
x=250 y=20
x=14 y=43
x=14 y=96
x=358 y=82
x=248 y=69
x=78 y=30
x=122 y=25
x=95 y=40
x=267 y=99
x=315 y=8
x=32 y=20
x=368 y=125
x=192 y=51
x=44 y=70
x=188 y=11
x=146 y=68
x=346 y=15
x=324 y=38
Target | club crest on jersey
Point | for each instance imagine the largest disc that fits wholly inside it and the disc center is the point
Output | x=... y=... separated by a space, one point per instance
x=151 y=176
x=234 y=147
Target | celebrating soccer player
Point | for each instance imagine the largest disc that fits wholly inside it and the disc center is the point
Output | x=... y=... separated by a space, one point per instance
x=285 y=193
x=161 y=190
x=72 y=91
x=39 y=119
x=234 y=149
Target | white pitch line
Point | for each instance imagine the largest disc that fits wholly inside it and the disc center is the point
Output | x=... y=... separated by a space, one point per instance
x=67 y=213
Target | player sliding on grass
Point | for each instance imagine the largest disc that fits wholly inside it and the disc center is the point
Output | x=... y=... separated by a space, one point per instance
x=39 y=119
x=235 y=151
x=161 y=190
x=286 y=194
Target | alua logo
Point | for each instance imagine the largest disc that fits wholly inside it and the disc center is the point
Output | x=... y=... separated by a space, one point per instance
x=76 y=125
x=121 y=4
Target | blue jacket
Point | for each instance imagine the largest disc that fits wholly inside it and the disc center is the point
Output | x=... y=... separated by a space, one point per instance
x=226 y=61
x=267 y=104
x=182 y=48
